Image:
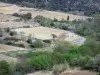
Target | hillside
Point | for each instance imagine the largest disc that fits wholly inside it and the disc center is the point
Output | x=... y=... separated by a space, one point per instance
x=87 y=6
x=45 y=42
x=10 y=9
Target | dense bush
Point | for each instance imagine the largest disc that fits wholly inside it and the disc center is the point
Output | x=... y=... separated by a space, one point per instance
x=5 y=68
x=38 y=44
x=91 y=47
x=47 y=41
x=12 y=33
x=44 y=21
x=25 y=17
x=59 y=68
x=96 y=63
x=41 y=62
x=27 y=4
x=51 y=23
x=63 y=47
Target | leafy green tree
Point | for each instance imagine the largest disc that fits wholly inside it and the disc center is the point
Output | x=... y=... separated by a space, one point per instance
x=41 y=62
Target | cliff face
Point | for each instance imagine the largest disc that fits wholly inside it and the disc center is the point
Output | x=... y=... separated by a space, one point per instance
x=88 y=6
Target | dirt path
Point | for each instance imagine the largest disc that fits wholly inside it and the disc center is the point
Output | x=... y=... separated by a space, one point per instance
x=68 y=73
x=40 y=73
x=80 y=73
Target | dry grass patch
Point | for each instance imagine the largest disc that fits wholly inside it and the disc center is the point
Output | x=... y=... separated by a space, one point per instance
x=45 y=33
x=10 y=9
x=5 y=48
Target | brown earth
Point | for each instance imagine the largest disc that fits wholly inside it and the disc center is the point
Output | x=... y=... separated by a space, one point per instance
x=80 y=73
x=67 y=73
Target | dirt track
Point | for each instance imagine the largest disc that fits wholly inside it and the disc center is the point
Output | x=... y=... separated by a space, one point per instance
x=68 y=73
x=80 y=73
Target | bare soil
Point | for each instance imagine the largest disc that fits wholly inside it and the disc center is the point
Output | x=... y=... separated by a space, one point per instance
x=5 y=48
x=68 y=73
x=80 y=73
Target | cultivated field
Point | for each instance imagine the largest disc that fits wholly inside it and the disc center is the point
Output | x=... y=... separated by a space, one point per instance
x=10 y=9
x=45 y=33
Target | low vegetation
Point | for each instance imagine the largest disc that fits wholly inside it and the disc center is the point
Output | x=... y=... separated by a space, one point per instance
x=55 y=55
x=60 y=60
x=5 y=68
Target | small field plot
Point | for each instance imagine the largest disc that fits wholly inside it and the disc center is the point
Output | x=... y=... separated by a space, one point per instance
x=54 y=14
x=8 y=9
x=45 y=33
x=5 y=48
x=7 y=18
x=12 y=24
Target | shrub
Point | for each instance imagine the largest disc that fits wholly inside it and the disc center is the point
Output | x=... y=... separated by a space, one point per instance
x=59 y=68
x=27 y=4
x=29 y=41
x=99 y=74
x=54 y=36
x=5 y=68
x=93 y=47
x=93 y=64
x=12 y=33
x=41 y=62
x=1 y=32
x=96 y=63
x=55 y=20
x=26 y=16
x=47 y=41
x=38 y=44
x=8 y=30
x=58 y=57
x=63 y=47
x=44 y=21
x=81 y=61
x=16 y=14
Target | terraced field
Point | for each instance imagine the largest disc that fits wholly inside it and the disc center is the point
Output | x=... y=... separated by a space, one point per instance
x=45 y=33
x=5 y=48
x=10 y=9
